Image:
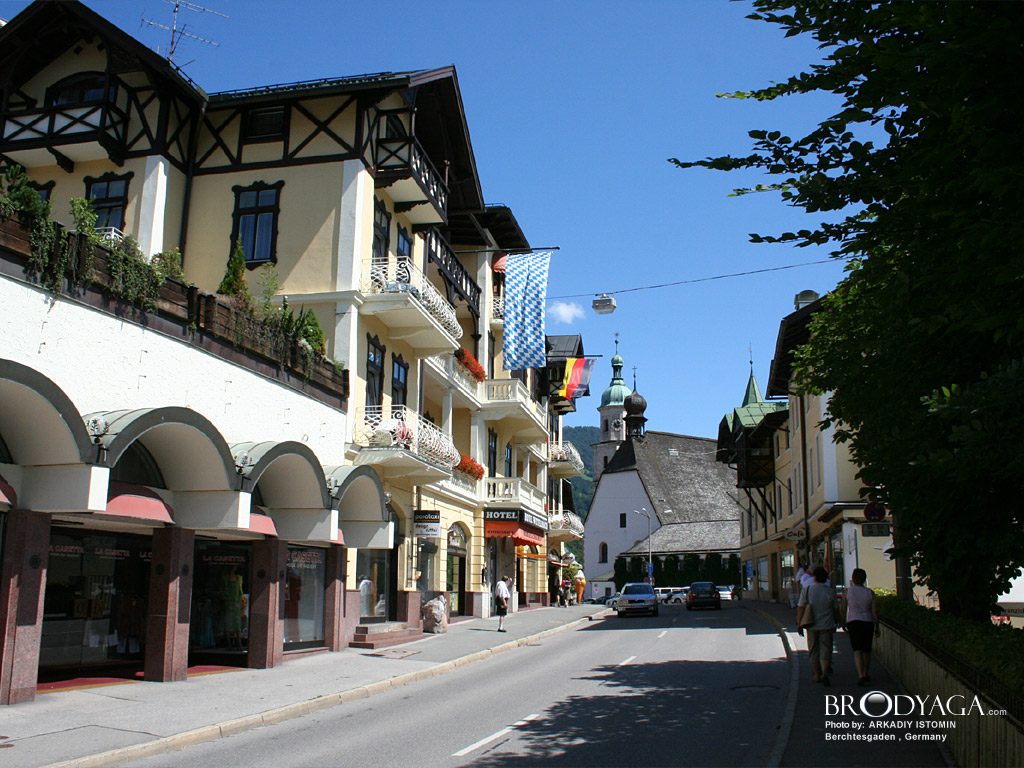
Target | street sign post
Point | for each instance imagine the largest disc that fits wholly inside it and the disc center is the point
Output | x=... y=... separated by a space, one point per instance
x=874 y=512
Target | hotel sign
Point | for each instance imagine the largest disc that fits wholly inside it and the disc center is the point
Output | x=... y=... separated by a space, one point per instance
x=426 y=523
x=521 y=516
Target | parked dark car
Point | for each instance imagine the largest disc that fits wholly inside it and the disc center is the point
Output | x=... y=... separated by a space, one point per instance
x=703 y=594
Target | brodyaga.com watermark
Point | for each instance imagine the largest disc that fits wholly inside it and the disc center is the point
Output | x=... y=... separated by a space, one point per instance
x=880 y=716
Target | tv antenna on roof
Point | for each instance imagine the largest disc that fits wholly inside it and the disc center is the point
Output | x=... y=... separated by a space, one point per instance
x=179 y=32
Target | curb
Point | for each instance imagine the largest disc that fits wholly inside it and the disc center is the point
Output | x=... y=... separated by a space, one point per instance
x=300 y=708
x=789 y=709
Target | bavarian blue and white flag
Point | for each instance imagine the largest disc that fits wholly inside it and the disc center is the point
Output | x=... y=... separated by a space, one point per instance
x=526 y=286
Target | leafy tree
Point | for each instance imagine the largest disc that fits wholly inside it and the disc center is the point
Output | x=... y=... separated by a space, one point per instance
x=921 y=343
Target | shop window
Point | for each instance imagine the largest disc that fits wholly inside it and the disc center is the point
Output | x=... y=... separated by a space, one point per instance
x=109 y=197
x=602 y=550
x=264 y=124
x=304 y=598
x=374 y=372
x=80 y=88
x=257 y=210
x=372 y=574
x=220 y=598
x=399 y=382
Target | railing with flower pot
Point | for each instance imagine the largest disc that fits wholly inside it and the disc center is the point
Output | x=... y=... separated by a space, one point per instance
x=397 y=426
x=564 y=520
x=565 y=452
x=402 y=276
x=457 y=373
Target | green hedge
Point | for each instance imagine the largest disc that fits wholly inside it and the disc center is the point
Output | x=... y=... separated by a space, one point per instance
x=996 y=651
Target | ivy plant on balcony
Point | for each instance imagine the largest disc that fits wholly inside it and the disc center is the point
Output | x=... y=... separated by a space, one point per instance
x=470 y=363
x=471 y=467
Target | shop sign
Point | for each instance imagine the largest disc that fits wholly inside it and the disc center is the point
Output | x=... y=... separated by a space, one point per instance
x=426 y=523
x=523 y=516
x=796 y=534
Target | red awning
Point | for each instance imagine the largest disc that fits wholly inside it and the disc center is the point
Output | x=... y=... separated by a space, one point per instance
x=138 y=501
x=514 y=531
x=7 y=494
x=261 y=523
x=499 y=263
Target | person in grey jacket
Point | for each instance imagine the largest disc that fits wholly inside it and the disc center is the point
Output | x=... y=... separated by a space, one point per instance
x=819 y=600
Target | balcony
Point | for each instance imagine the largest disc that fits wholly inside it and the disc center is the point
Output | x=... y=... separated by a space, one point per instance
x=513 y=492
x=399 y=294
x=498 y=312
x=564 y=526
x=452 y=271
x=509 y=400
x=397 y=441
x=461 y=485
x=69 y=133
x=564 y=460
x=416 y=188
x=456 y=376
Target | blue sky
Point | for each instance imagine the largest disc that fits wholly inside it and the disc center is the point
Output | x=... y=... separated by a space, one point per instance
x=574 y=109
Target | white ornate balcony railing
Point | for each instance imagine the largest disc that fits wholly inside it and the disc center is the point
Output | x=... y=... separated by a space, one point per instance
x=456 y=372
x=402 y=276
x=566 y=451
x=514 y=491
x=400 y=427
x=110 y=234
x=566 y=521
x=498 y=308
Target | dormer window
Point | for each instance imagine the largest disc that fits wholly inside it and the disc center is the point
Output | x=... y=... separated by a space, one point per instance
x=81 y=88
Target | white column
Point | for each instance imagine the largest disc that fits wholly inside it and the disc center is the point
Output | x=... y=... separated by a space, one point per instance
x=152 y=206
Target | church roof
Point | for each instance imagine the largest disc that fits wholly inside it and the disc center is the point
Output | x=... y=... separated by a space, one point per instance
x=685 y=485
x=690 y=538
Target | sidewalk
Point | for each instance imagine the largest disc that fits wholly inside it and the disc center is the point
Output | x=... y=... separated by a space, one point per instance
x=806 y=718
x=109 y=724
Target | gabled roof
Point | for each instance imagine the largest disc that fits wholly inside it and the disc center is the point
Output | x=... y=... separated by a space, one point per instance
x=690 y=538
x=32 y=39
x=562 y=347
x=682 y=479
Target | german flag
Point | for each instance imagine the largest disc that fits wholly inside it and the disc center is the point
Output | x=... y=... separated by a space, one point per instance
x=576 y=382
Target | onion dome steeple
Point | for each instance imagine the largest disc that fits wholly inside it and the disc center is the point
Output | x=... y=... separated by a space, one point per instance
x=617 y=391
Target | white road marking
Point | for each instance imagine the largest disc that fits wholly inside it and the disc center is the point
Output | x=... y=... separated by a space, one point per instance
x=494 y=736
x=665 y=632
x=624 y=663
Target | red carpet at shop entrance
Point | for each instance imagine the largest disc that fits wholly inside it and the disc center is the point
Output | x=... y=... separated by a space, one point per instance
x=80 y=683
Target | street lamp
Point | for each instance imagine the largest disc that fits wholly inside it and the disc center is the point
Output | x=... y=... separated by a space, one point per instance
x=650 y=559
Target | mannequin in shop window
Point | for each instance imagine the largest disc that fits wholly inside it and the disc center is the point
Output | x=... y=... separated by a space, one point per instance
x=233 y=608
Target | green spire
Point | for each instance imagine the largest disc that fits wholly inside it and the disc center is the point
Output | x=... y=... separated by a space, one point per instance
x=753 y=394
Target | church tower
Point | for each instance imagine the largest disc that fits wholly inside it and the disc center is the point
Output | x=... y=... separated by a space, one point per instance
x=613 y=417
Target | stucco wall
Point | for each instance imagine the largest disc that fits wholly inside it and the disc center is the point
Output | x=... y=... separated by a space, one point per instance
x=616 y=493
x=103 y=363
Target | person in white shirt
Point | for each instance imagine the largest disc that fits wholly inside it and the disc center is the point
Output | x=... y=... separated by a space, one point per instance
x=502 y=594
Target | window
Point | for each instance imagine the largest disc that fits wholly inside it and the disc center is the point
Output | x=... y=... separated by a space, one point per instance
x=492 y=453
x=492 y=348
x=43 y=190
x=374 y=371
x=404 y=244
x=81 y=88
x=508 y=460
x=605 y=459
x=257 y=209
x=622 y=520
x=399 y=381
x=264 y=124
x=109 y=197
x=602 y=553
x=817 y=442
x=381 y=231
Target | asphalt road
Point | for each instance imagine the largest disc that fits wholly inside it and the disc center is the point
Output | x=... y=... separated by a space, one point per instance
x=683 y=688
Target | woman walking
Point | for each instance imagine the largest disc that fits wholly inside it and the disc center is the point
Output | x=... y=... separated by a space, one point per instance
x=861 y=615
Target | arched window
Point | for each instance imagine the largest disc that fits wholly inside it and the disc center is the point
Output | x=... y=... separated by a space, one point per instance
x=138 y=466
x=80 y=88
x=602 y=556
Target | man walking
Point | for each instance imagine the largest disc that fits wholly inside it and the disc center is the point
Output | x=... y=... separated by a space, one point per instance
x=816 y=614
x=502 y=594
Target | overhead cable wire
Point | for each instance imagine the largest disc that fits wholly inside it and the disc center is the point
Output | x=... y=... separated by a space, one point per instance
x=694 y=280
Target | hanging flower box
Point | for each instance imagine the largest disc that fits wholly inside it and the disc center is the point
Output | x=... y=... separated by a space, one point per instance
x=471 y=467
x=470 y=364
